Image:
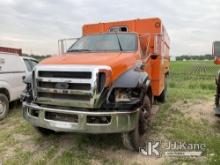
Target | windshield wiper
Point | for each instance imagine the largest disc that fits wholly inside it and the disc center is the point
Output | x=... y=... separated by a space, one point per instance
x=119 y=43
x=79 y=50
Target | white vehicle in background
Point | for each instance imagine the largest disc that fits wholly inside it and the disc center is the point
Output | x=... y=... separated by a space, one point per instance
x=12 y=70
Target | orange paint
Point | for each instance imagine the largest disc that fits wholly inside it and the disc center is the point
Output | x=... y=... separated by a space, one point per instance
x=217 y=60
x=152 y=38
x=119 y=62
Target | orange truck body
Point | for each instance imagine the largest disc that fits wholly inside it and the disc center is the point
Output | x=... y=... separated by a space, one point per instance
x=153 y=39
x=149 y=29
x=104 y=83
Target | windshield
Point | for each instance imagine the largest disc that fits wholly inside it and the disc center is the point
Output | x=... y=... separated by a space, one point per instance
x=106 y=42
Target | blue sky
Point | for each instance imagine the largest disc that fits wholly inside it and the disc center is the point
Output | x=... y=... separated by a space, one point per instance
x=36 y=25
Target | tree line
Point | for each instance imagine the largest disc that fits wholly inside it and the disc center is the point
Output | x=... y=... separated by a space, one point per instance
x=37 y=57
x=178 y=58
x=195 y=57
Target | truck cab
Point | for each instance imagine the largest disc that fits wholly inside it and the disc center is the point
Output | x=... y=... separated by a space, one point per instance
x=106 y=82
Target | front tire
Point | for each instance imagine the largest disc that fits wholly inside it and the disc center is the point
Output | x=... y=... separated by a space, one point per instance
x=4 y=106
x=133 y=140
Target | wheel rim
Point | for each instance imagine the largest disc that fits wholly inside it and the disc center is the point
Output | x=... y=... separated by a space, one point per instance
x=2 y=107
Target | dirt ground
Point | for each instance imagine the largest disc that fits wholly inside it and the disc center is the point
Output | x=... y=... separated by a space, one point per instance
x=22 y=140
x=197 y=111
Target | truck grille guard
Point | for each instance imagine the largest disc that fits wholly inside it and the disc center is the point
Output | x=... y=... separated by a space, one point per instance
x=69 y=85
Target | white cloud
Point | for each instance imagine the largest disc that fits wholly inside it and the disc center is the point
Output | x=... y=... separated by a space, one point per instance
x=37 y=25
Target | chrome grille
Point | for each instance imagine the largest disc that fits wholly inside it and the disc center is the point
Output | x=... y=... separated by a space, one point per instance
x=79 y=75
x=67 y=85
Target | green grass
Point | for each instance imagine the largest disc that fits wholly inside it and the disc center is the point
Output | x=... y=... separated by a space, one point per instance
x=188 y=83
x=196 y=77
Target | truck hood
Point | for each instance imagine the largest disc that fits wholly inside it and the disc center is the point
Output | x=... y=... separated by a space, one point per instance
x=119 y=62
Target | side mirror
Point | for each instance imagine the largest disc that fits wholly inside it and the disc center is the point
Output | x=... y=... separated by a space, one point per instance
x=216 y=49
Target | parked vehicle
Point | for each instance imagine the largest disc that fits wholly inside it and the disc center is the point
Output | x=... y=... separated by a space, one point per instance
x=216 y=54
x=105 y=83
x=12 y=69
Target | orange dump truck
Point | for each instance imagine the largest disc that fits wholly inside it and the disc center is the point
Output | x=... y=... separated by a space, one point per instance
x=106 y=82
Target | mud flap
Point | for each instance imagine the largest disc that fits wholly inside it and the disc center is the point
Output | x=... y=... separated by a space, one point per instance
x=217 y=110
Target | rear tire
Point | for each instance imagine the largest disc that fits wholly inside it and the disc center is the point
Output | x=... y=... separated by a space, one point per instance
x=44 y=131
x=4 y=106
x=133 y=140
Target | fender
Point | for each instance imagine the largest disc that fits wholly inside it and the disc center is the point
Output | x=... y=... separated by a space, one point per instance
x=133 y=78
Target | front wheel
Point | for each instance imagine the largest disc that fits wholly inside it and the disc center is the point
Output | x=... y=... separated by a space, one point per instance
x=133 y=140
x=4 y=106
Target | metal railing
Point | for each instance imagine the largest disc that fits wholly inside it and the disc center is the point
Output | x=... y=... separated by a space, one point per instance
x=65 y=44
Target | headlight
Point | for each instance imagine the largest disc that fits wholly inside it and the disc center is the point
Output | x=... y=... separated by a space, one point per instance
x=125 y=95
x=121 y=97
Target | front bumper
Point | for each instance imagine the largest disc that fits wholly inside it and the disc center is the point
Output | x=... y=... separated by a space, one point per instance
x=120 y=121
